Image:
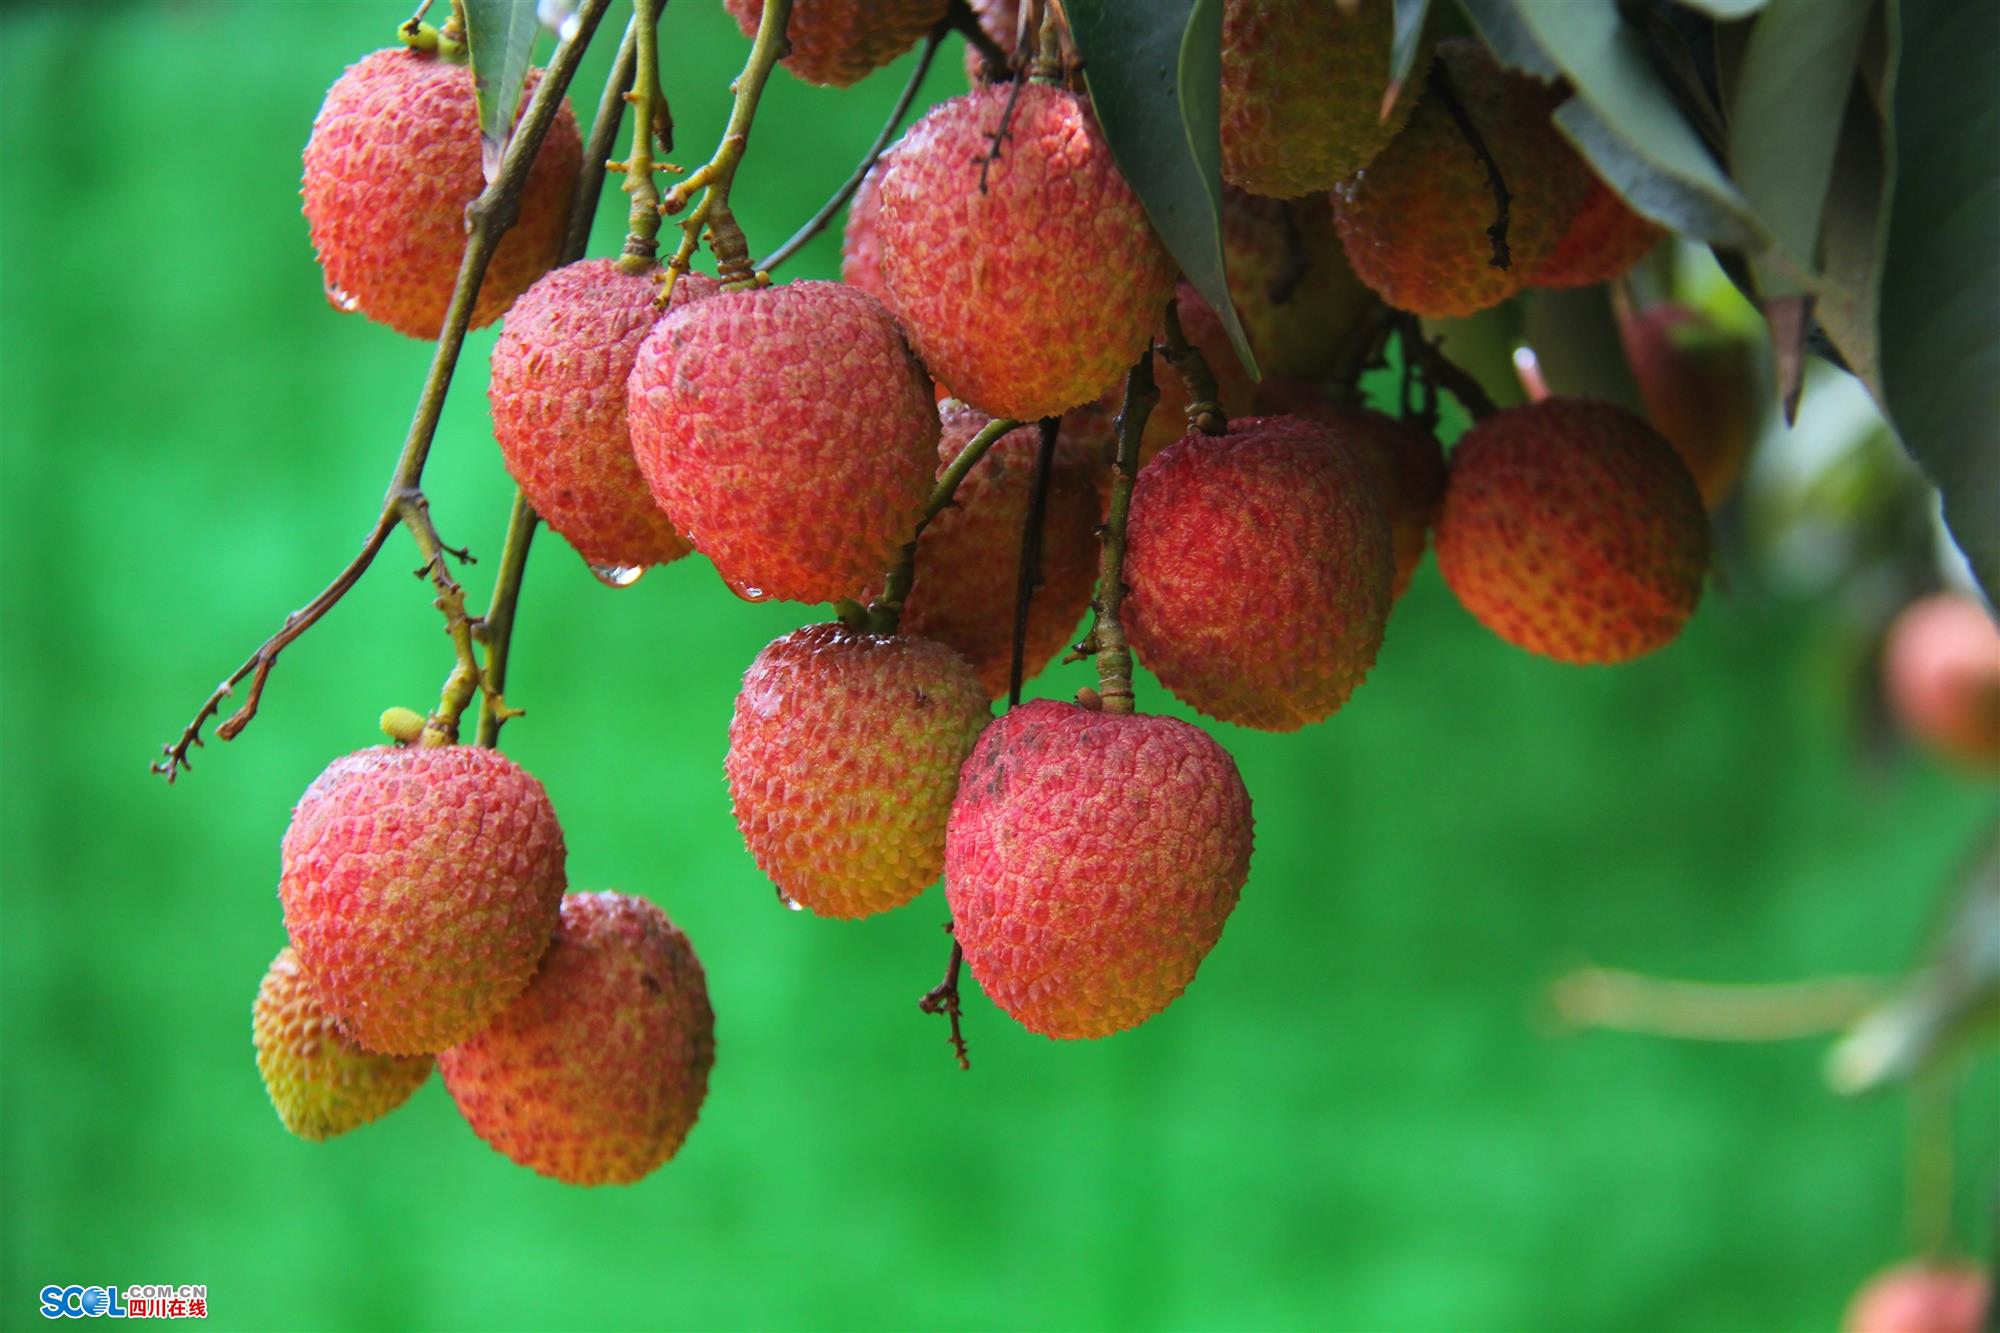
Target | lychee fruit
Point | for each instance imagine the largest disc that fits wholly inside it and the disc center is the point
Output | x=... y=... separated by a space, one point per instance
x=1000 y=20
x=1299 y=301
x=595 y=1075
x=1699 y=383
x=1259 y=564
x=1941 y=673
x=1570 y=528
x=1604 y=240
x=968 y=559
x=1415 y=221
x=393 y=160
x=1091 y=863
x=1302 y=86
x=836 y=43
x=1924 y=1296
x=844 y=754
x=1021 y=264
x=320 y=1082
x=860 y=251
x=1407 y=463
x=1235 y=391
x=790 y=435
x=420 y=886
x=558 y=397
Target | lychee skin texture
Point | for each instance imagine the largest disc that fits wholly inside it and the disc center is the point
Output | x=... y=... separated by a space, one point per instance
x=1941 y=672
x=420 y=886
x=595 y=1075
x=1091 y=863
x=1030 y=296
x=1414 y=222
x=1570 y=528
x=321 y=1083
x=843 y=759
x=558 y=397
x=860 y=251
x=392 y=162
x=1407 y=463
x=1302 y=85
x=1922 y=1297
x=968 y=559
x=790 y=435
x=1258 y=565
x=1603 y=241
x=835 y=43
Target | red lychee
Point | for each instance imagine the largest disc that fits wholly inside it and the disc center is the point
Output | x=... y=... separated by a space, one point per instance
x=860 y=251
x=1699 y=383
x=838 y=42
x=1407 y=463
x=1922 y=1297
x=595 y=1075
x=393 y=160
x=1028 y=280
x=790 y=435
x=1572 y=529
x=1302 y=86
x=1259 y=565
x=321 y=1083
x=1415 y=221
x=420 y=886
x=1941 y=672
x=968 y=559
x=843 y=758
x=1091 y=862
x=558 y=397
x=1603 y=240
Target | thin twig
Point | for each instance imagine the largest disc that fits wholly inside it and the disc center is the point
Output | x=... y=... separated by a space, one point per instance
x=1440 y=88
x=1107 y=630
x=487 y=217
x=596 y=152
x=966 y=23
x=817 y=222
x=1004 y=132
x=1440 y=370
x=886 y=610
x=1028 y=570
x=943 y=999
x=642 y=245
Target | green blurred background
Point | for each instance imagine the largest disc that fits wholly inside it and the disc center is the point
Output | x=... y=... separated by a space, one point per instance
x=1357 y=1118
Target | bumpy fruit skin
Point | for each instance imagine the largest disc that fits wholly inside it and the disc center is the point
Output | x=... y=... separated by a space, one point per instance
x=969 y=556
x=1700 y=387
x=1922 y=1297
x=321 y=1083
x=1031 y=296
x=558 y=397
x=1302 y=85
x=1570 y=528
x=392 y=162
x=790 y=435
x=1407 y=463
x=1604 y=240
x=843 y=758
x=1259 y=564
x=1297 y=297
x=1092 y=861
x=1414 y=222
x=420 y=886
x=836 y=43
x=1941 y=672
x=860 y=251
x=595 y=1075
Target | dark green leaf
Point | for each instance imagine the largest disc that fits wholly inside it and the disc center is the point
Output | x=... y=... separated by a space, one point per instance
x=1940 y=315
x=1726 y=9
x=500 y=34
x=1410 y=16
x=1155 y=77
x=1508 y=37
x=1851 y=233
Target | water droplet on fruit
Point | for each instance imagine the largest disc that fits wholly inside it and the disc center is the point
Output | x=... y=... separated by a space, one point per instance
x=748 y=593
x=345 y=302
x=618 y=576
x=790 y=903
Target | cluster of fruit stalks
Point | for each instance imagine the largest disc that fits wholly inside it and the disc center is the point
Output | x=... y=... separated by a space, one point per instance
x=861 y=443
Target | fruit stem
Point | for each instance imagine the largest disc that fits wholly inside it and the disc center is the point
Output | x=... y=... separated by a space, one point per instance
x=488 y=217
x=1439 y=84
x=648 y=115
x=886 y=611
x=1204 y=411
x=1440 y=370
x=961 y=19
x=714 y=177
x=1028 y=568
x=817 y=222
x=1048 y=63
x=1107 y=632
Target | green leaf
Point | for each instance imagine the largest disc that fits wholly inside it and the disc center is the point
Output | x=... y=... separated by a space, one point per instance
x=1787 y=110
x=500 y=34
x=1155 y=76
x=1852 y=228
x=1410 y=16
x=1625 y=121
x=1508 y=38
x=1940 y=316
x=1725 y=10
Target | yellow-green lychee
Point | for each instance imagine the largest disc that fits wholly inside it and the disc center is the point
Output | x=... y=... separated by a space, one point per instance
x=321 y=1083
